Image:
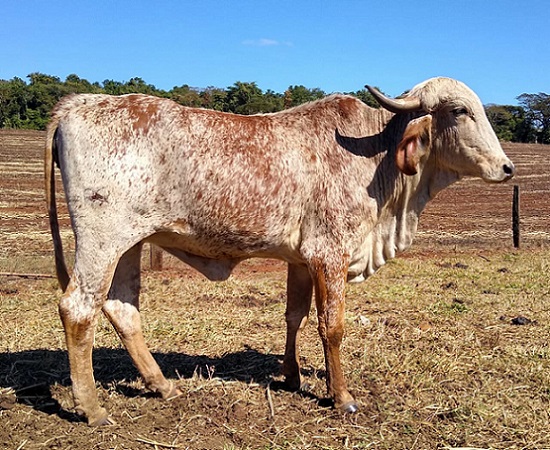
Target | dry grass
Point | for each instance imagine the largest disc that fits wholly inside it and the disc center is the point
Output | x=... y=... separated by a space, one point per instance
x=430 y=352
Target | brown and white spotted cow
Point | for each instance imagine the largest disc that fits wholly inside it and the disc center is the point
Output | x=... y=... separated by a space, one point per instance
x=333 y=187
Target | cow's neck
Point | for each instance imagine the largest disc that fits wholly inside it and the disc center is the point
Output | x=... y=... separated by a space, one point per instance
x=413 y=196
x=398 y=218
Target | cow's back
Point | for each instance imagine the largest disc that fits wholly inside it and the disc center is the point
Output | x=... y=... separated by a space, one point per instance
x=228 y=185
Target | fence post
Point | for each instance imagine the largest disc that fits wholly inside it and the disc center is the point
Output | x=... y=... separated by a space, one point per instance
x=155 y=257
x=515 y=216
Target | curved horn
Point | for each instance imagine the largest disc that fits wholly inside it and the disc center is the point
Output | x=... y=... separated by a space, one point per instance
x=396 y=105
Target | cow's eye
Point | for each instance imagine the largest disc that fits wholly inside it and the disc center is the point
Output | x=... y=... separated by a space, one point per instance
x=460 y=112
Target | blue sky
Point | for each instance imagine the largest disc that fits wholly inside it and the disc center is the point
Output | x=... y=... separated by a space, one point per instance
x=499 y=48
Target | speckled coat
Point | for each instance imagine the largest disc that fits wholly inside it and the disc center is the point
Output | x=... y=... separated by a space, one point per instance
x=333 y=187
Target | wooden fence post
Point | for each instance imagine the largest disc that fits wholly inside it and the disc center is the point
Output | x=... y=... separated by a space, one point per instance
x=515 y=216
x=155 y=257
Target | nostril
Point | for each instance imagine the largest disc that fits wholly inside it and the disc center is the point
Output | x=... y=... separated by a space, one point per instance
x=508 y=169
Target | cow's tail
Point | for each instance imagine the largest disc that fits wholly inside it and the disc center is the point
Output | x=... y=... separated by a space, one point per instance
x=49 y=161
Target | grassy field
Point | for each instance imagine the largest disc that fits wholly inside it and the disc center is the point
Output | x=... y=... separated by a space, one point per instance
x=446 y=347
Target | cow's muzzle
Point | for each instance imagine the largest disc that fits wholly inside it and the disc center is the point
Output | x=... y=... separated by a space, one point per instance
x=509 y=170
x=500 y=174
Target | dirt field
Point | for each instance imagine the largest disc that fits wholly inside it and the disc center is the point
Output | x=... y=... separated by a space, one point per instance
x=430 y=351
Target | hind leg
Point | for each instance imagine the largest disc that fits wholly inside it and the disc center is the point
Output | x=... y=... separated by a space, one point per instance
x=122 y=310
x=78 y=308
x=299 y=295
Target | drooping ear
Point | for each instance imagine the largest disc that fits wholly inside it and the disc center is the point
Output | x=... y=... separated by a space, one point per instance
x=415 y=143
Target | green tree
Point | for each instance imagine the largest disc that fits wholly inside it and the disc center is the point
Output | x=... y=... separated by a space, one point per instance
x=186 y=96
x=25 y=105
x=537 y=108
x=248 y=98
x=241 y=97
x=113 y=87
x=269 y=102
x=75 y=84
x=214 y=98
x=510 y=123
x=14 y=97
x=366 y=97
x=44 y=92
x=297 y=95
x=135 y=85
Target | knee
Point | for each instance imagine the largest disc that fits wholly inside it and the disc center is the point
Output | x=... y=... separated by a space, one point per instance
x=336 y=335
x=296 y=320
x=124 y=317
x=331 y=333
x=75 y=307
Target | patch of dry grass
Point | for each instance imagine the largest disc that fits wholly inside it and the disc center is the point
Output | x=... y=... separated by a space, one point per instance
x=430 y=353
x=441 y=347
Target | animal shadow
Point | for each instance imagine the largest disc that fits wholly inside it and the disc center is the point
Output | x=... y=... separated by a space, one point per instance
x=32 y=374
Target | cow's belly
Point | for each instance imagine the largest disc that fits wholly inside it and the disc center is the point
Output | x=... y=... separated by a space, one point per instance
x=216 y=255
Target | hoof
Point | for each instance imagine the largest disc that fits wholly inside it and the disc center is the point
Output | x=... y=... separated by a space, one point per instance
x=293 y=385
x=174 y=393
x=349 y=407
x=168 y=391
x=102 y=420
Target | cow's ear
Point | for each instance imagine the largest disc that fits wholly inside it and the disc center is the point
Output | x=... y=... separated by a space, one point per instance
x=414 y=144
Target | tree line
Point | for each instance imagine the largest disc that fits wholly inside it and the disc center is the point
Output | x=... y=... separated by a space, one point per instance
x=27 y=104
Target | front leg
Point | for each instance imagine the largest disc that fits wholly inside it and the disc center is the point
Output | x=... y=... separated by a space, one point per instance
x=329 y=277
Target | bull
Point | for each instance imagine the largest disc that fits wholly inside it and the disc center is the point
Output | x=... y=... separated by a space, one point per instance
x=333 y=187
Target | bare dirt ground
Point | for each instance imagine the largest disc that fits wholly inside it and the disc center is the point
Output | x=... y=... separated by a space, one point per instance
x=223 y=342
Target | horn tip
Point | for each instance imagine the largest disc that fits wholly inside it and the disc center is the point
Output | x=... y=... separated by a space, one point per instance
x=371 y=89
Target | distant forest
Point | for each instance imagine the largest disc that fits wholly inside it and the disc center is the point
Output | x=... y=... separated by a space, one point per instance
x=28 y=104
